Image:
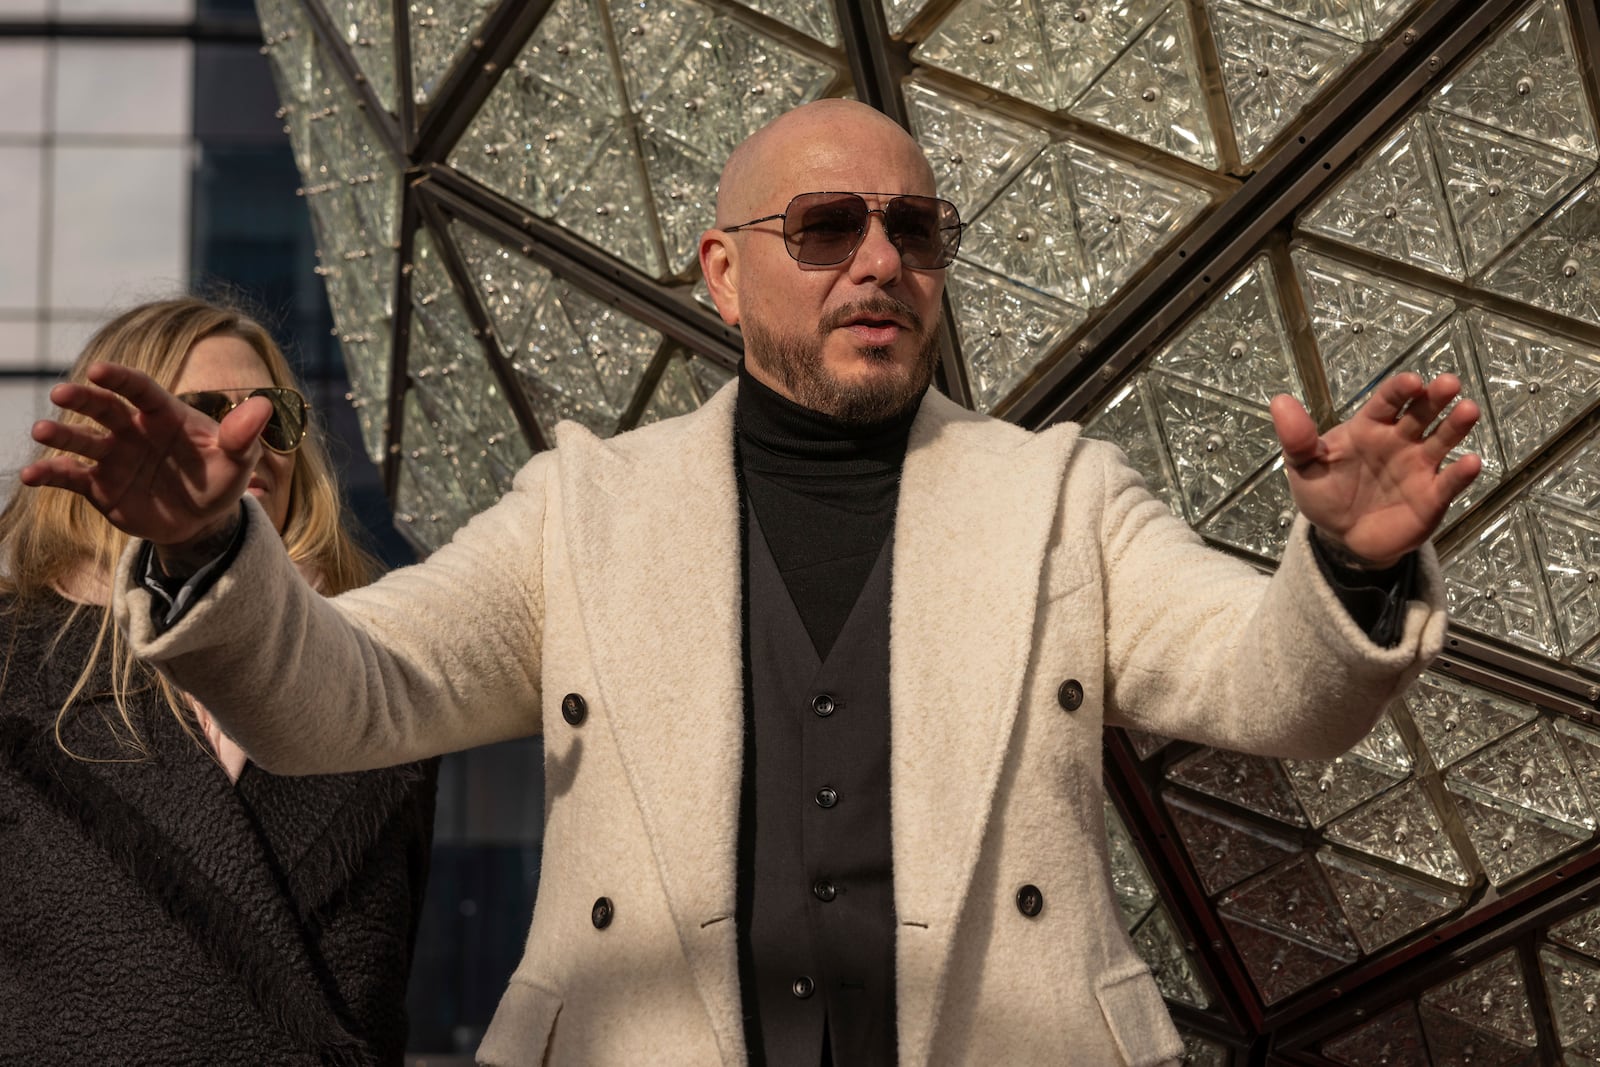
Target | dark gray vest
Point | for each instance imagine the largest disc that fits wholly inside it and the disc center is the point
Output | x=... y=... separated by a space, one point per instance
x=821 y=927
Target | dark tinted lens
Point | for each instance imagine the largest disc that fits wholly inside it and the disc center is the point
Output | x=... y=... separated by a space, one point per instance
x=824 y=228
x=212 y=405
x=287 y=426
x=926 y=230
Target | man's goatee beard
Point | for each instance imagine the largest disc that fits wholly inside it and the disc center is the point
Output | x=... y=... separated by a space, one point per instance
x=797 y=365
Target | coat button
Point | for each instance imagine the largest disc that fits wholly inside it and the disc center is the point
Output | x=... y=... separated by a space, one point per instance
x=824 y=890
x=574 y=708
x=823 y=705
x=1070 y=695
x=602 y=913
x=827 y=797
x=803 y=987
x=1030 y=901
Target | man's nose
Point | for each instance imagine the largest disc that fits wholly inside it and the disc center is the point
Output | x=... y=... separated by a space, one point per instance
x=876 y=259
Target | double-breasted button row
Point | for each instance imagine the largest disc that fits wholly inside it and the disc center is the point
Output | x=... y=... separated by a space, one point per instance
x=574 y=708
x=602 y=913
x=1070 y=695
x=1030 y=901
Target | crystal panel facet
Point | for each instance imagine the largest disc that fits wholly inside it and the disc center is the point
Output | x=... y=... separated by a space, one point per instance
x=1401 y=826
x=1005 y=329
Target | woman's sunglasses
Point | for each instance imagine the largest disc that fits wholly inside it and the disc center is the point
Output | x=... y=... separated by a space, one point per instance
x=823 y=229
x=284 y=431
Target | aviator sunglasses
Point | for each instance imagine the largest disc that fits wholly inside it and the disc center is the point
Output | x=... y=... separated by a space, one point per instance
x=824 y=229
x=284 y=430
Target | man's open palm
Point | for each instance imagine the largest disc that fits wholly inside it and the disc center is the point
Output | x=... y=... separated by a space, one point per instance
x=1374 y=482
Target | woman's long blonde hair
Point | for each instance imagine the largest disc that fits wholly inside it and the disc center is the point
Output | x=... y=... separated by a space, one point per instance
x=51 y=539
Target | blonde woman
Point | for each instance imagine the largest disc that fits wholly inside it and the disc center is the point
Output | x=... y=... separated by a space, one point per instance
x=163 y=900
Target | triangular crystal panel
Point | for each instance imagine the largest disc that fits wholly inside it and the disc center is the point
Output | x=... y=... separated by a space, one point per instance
x=1238 y=343
x=1511 y=840
x=1573 y=986
x=532 y=142
x=675 y=394
x=1393 y=204
x=1528 y=82
x=1029 y=232
x=1153 y=92
x=1574 y=484
x=1005 y=329
x=1259 y=519
x=585 y=359
x=683 y=182
x=1085 y=39
x=998 y=43
x=1272 y=68
x=1217 y=443
x=1581 y=933
x=510 y=286
x=1455 y=719
x=1498 y=184
x=1393 y=1039
x=440 y=32
x=650 y=36
x=973 y=151
x=1536 y=384
x=1569 y=546
x=1249 y=781
x=727 y=84
x=569 y=53
x=1130 y=882
x=1381 y=905
x=1382 y=15
x=1527 y=769
x=1495 y=585
x=1491 y=997
x=1342 y=17
x=1224 y=849
x=367 y=28
x=608 y=205
x=1279 y=966
x=812 y=19
x=1293 y=900
x=1128 y=421
x=1329 y=788
x=1146 y=745
x=1553 y=266
x=1582 y=746
x=1158 y=943
x=1402 y=827
x=1455 y=1042
x=1362 y=321
x=1125 y=215
x=899 y=13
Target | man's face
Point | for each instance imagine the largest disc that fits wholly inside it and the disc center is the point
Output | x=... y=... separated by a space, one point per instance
x=856 y=340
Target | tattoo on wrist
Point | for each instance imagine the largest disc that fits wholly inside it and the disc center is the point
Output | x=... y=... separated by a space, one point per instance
x=183 y=561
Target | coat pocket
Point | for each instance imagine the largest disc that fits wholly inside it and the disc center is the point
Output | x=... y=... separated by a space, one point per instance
x=1138 y=1020
x=519 y=1033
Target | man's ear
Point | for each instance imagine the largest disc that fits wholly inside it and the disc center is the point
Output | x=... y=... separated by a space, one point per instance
x=719 y=265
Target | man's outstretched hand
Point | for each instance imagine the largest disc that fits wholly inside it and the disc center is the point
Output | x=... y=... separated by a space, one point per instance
x=1373 y=484
x=153 y=466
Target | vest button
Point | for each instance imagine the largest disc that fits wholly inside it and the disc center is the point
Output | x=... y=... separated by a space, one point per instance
x=827 y=797
x=824 y=890
x=823 y=705
x=803 y=987
x=602 y=913
x=574 y=708
x=1070 y=695
x=1030 y=901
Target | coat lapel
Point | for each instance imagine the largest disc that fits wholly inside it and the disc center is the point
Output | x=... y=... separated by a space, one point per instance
x=652 y=529
x=977 y=507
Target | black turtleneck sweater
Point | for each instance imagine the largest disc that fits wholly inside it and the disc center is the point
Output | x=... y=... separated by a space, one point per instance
x=825 y=493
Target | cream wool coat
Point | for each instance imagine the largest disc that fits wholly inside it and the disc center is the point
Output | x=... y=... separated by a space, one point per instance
x=612 y=570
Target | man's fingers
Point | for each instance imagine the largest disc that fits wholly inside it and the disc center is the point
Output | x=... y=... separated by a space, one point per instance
x=83 y=441
x=1391 y=396
x=1296 y=432
x=1427 y=404
x=1454 y=479
x=1453 y=430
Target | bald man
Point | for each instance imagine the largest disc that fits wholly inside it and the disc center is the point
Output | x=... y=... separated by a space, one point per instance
x=821 y=668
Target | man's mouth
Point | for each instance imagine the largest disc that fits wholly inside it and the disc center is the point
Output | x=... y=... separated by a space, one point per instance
x=875 y=331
